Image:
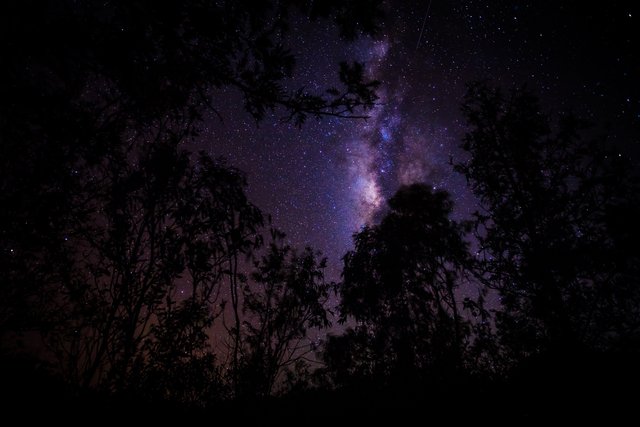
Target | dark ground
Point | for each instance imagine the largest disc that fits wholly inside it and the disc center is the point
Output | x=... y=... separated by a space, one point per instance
x=587 y=389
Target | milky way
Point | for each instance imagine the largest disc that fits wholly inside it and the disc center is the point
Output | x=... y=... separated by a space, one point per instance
x=366 y=161
x=322 y=182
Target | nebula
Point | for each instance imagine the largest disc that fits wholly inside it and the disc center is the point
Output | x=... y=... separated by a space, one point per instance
x=413 y=165
x=363 y=157
x=323 y=181
x=366 y=193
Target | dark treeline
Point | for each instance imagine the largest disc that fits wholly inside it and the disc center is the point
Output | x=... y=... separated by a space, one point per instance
x=125 y=258
x=132 y=270
x=553 y=239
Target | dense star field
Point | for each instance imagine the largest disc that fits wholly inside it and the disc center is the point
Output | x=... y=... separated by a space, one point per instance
x=322 y=182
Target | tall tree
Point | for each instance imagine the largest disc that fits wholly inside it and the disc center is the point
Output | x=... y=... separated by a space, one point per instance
x=550 y=232
x=149 y=245
x=80 y=77
x=399 y=286
x=284 y=300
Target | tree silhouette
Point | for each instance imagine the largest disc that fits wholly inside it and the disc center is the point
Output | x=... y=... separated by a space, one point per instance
x=80 y=78
x=399 y=286
x=152 y=239
x=550 y=229
x=285 y=298
x=116 y=246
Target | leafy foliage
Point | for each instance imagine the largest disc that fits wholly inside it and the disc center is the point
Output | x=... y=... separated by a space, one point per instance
x=400 y=288
x=285 y=300
x=151 y=228
x=81 y=79
x=118 y=248
x=549 y=229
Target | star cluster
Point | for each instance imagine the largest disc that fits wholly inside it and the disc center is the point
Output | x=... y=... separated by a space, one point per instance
x=323 y=181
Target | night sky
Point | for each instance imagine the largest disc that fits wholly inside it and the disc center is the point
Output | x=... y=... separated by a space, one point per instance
x=322 y=182
x=119 y=285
